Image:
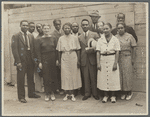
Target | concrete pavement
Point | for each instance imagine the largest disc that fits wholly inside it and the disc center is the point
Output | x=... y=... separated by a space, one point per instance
x=137 y=105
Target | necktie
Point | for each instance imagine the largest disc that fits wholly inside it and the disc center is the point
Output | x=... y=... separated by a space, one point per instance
x=25 y=36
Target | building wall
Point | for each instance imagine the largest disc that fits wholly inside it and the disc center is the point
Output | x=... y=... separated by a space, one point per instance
x=135 y=17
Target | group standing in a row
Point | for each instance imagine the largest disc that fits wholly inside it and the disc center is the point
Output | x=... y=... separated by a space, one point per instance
x=69 y=61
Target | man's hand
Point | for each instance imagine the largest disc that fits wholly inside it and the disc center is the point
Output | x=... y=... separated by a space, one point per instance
x=57 y=63
x=19 y=66
x=114 y=67
x=98 y=67
x=40 y=65
x=78 y=64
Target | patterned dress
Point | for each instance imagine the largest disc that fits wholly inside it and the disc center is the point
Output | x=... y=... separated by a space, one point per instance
x=107 y=79
x=127 y=41
x=70 y=74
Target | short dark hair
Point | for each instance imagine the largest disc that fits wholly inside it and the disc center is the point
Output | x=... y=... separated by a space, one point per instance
x=121 y=14
x=39 y=23
x=85 y=20
x=55 y=20
x=23 y=21
x=102 y=22
x=122 y=23
x=31 y=23
x=73 y=23
x=68 y=24
x=46 y=25
x=110 y=26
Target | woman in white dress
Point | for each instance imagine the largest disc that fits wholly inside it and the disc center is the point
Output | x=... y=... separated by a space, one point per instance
x=69 y=51
x=108 y=79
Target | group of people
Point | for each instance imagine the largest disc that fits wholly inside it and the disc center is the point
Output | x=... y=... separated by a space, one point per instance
x=99 y=60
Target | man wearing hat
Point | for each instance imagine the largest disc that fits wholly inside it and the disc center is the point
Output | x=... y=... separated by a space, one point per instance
x=94 y=17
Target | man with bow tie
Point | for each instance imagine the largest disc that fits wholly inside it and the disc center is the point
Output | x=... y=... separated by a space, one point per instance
x=23 y=52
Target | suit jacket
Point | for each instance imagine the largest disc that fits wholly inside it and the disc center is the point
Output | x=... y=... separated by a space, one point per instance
x=129 y=30
x=92 y=28
x=83 y=43
x=57 y=35
x=19 y=48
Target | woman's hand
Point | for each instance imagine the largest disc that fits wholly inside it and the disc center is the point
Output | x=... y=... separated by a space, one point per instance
x=40 y=65
x=114 y=66
x=78 y=64
x=98 y=67
x=57 y=63
x=132 y=62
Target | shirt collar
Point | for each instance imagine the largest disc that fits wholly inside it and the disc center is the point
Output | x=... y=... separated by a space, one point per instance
x=23 y=32
x=46 y=36
x=87 y=32
x=58 y=31
x=75 y=34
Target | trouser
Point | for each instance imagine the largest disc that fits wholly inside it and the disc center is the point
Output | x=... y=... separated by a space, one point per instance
x=90 y=79
x=27 y=68
x=58 y=77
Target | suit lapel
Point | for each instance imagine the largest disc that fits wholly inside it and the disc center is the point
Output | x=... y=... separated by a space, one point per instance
x=21 y=38
x=83 y=39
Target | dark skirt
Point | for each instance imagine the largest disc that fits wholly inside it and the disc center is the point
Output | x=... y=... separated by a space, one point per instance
x=49 y=71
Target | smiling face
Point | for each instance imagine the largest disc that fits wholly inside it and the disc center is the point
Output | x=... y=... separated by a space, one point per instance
x=121 y=29
x=46 y=29
x=107 y=30
x=24 y=27
x=31 y=28
x=67 y=29
x=85 y=26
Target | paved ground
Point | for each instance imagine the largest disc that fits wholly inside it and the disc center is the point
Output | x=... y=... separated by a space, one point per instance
x=59 y=107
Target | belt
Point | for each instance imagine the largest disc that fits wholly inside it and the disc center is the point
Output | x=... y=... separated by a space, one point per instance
x=108 y=54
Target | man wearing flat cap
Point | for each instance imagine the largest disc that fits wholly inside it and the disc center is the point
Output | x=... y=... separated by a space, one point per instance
x=94 y=17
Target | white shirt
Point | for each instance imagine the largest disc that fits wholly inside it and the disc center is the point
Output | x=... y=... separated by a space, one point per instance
x=86 y=33
x=28 y=42
x=76 y=35
x=111 y=47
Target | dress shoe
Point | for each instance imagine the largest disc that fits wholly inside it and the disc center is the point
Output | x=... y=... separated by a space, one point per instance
x=73 y=98
x=46 y=98
x=113 y=99
x=35 y=96
x=53 y=97
x=129 y=96
x=96 y=97
x=86 y=97
x=66 y=97
x=105 y=99
x=22 y=101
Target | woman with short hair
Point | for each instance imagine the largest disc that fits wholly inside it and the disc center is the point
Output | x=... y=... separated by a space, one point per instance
x=69 y=60
x=108 y=79
x=46 y=54
x=126 y=60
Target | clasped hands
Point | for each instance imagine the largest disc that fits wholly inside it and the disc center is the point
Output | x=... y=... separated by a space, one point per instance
x=113 y=69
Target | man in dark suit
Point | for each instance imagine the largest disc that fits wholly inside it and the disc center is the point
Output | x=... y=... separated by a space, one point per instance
x=130 y=30
x=88 y=61
x=94 y=17
x=23 y=52
x=56 y=34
